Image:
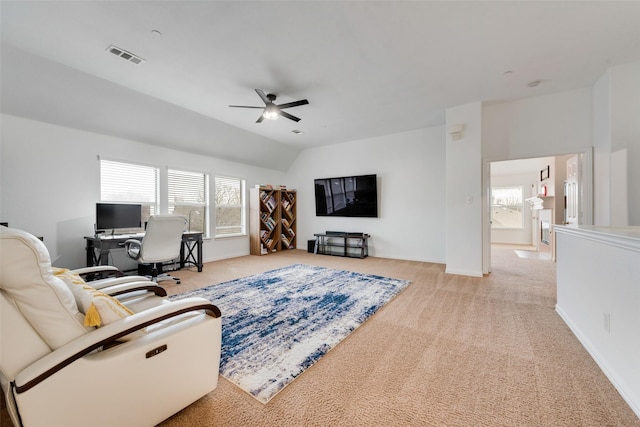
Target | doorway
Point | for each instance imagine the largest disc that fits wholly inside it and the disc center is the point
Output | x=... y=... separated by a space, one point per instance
x=554 y=190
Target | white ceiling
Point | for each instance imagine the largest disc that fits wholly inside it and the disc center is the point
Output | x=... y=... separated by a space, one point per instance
x=368 y=68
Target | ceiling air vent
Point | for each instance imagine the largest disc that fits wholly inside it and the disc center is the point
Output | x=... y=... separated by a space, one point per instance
x=125 y=55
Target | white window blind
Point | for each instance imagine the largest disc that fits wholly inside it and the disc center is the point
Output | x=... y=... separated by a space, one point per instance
x=230 y=206
x=188 y=194
x=130 y=183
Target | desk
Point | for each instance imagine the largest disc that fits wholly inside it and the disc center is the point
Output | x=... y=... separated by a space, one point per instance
x=98 y=248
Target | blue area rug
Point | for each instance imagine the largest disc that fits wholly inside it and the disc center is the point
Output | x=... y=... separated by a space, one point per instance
x=277 y=324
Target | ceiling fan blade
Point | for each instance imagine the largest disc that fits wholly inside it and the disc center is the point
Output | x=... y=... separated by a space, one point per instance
x=260 y=119
x=262 y=96
x=244 y=106
x=293 y=104
x=289 y=116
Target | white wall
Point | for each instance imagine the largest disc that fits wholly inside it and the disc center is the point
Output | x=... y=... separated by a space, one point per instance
x=625 y=131
x=604 y=116
x=616 y=124
x=598 y=298
x=619 y=192
x=50 y=182
x=541 y=126
x=601 y=149
x=464 y=203
x=550 y=125
x=411 y=182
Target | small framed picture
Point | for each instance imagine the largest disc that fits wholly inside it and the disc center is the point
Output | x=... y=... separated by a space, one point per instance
x=544 y=174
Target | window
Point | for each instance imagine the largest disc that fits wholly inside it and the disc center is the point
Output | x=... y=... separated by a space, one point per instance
x=230 y=206
x=506 y=207
x=130 y=183
x=189 y=196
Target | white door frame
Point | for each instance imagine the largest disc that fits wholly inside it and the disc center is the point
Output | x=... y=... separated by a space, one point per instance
x=486 y=217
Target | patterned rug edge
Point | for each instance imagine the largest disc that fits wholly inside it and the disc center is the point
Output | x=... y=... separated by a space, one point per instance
x=315 y=362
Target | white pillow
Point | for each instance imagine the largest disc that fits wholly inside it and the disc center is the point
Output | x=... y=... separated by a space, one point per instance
x=98 y=308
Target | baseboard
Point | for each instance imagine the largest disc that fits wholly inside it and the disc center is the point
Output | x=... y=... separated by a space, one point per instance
x=472 y=273
x=406 y=258
x=227 y=256
x=608 y=371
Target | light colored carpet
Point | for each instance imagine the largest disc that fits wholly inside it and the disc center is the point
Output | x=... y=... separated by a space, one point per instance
x=449 y=350
x=533 y=255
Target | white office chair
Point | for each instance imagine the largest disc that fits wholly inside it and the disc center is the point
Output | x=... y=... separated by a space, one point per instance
x=161 y=243
x=145 y=359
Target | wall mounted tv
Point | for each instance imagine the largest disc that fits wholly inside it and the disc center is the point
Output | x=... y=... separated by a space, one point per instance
x=110 y=216
x=351 y=196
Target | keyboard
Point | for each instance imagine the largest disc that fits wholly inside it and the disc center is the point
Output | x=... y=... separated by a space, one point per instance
x=122 y=236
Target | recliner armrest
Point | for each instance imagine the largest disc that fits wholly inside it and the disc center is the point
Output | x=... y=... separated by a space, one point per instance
x=108 y=334
x=112 y=281
x=117 y=278
x=97 y=269
x=131 y=287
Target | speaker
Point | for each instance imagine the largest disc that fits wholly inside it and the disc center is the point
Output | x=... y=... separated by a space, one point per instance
x=311 y=245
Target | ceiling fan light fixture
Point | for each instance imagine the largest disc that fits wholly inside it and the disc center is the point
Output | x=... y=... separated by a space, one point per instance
x=271 y=112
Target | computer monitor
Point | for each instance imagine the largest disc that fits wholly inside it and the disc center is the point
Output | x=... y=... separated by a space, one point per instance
x=113 y=216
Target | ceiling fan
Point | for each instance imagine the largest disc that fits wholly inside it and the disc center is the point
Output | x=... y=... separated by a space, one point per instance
x=271 y=110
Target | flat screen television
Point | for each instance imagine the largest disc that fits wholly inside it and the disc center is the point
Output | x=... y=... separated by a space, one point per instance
x=350 y=196
x=110 y=216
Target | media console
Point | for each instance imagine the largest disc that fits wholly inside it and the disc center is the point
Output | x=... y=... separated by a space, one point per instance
x=341 y=243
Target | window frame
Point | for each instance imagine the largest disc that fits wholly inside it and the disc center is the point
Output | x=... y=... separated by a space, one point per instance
x=521 y=206
x=153 y=207
x=206 y=232
x=243 y=207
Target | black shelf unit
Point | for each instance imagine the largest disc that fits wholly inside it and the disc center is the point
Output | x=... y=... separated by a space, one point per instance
x=340 y=243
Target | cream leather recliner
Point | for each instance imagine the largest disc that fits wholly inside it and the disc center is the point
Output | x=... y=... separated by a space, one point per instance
x=154 y=359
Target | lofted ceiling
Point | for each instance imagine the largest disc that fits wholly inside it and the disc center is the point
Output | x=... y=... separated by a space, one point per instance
x=368 y=68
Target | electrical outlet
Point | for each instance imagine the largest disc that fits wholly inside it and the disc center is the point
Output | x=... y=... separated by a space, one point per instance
x=607 y=322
